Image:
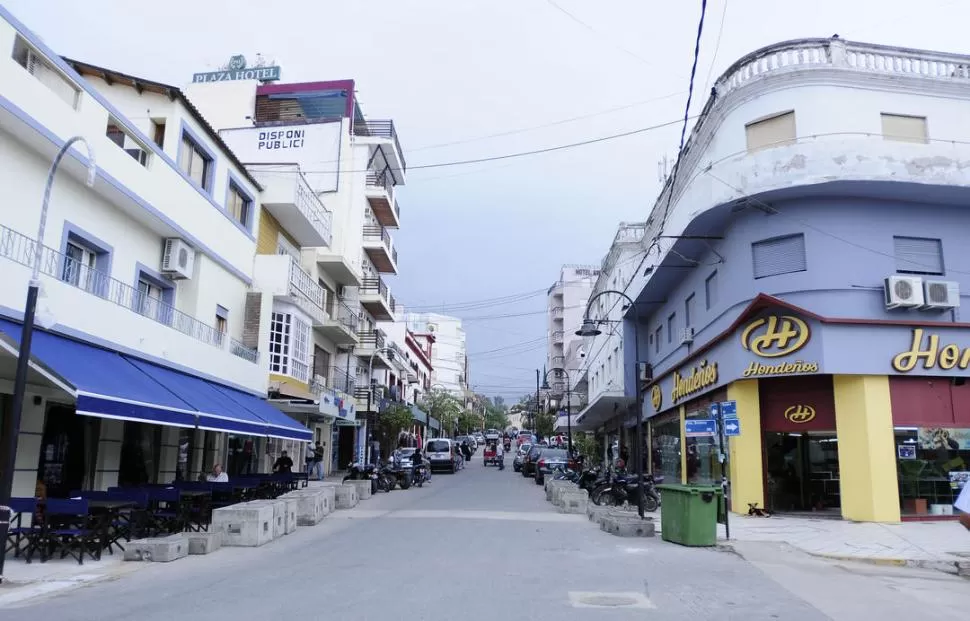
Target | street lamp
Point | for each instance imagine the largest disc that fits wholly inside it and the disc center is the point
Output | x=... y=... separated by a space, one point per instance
x=590 y=328
x=26 y=336
x=532 y=423
x=371 y=382
x=569 y=418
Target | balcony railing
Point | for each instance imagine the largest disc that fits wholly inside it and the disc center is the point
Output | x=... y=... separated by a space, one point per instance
x=382 y=180
x=557 y=336
x=399 y=353
x=341 y=379
x=21 y=249
x=371 y=286
x=304 y=283
x=380 y=129
x=375 y=232
x=246 y=353
x=558 y=359
x=360 y=393
x=372 y=339
x=557 y=312
x=347 y=317
x=313 y=209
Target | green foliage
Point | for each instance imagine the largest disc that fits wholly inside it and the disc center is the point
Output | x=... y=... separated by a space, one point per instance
x=586 y=445
x=444 y=407
x=545 y=423
x=496 y=420
x=468 y=421
x=396 y=418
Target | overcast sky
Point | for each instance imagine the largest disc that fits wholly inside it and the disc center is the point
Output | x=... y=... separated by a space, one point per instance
x=461 y=71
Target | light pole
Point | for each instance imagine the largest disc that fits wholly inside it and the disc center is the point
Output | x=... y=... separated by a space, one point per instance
x=532 y=423
x=26 y=336
x=589 y=329
x=371 y=382
x=569 y=418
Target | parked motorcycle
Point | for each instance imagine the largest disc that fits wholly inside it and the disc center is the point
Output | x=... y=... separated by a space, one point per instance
x=627 y=488
x=363 y=472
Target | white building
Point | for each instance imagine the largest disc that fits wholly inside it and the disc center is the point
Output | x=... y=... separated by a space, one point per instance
x=566 y=303
x=410 y=379
x=449 y=359
x=307 y=143
x=145 y=277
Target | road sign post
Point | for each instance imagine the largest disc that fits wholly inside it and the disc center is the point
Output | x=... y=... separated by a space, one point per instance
x=718 y=413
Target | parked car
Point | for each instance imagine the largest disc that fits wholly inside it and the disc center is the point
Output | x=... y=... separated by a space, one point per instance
x=549 y=460
x=529 y=461
x=441 y=454
x=520 y=454
x=492 y=434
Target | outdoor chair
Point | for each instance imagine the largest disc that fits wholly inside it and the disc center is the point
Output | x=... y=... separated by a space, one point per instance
x=68 y=529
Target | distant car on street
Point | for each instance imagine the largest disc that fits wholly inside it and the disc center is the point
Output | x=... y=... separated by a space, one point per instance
x=492 y=434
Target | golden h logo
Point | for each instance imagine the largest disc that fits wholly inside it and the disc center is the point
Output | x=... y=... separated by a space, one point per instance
x=800 y=414
x=775 y=336
x=656 y=397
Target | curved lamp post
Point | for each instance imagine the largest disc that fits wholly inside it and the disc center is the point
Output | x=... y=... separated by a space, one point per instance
x=569 y=416
x=590 y=329
x=26 y=336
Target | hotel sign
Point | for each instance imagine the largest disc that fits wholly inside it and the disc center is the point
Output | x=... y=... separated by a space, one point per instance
x=236 y=69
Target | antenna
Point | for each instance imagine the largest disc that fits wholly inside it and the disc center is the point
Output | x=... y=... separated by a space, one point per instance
x=663 y=169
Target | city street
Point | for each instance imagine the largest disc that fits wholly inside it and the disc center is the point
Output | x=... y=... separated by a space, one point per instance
x=485 y=544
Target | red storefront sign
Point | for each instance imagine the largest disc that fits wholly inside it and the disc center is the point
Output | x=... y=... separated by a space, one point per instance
x=794 y=404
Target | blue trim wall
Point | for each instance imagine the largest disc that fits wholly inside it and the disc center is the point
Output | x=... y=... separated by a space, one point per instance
x=18 y=315
x=8 y=105
x=208 y=152
x=143 y=272
x=104 y=252
x=246 y=227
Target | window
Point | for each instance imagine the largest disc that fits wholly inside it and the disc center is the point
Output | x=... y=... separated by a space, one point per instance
x=195 y=162
x=773 y=131
x=222 y=322
x=79 y=265
x=289 y=341
x=904 y=128
x=87 y=261
x=918 y=255
x=670 y=327
x=149 y=299
x=45 y=72
x=779 y=255
x=689 y=311
x=158 y=132
x=121 y=137
x=656 y=339
x=321 y=362
x=710 y=290
x=239 y=205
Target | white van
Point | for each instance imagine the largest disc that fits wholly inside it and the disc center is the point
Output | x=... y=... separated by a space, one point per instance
x=440 y=454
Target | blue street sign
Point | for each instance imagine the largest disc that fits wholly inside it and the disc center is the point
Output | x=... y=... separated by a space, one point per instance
x=729 y=409
x=732 y=427
x=715 y=410
x=699 y=427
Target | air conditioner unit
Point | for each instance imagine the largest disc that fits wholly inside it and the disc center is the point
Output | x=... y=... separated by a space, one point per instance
x=646 y=372
x=341 y=291
x=687 y=336
x=904 y=291
x=941 y=294
x=178 y=259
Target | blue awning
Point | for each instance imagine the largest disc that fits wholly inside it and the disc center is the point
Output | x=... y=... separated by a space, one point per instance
x=279 y=425
x=105 y=383
x=216 y=411
x=419 y=415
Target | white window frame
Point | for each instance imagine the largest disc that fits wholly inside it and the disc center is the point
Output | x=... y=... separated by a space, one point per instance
x=289 y=345
x=80 y=270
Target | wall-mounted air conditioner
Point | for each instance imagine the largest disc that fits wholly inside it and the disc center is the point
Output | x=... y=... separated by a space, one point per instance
x=903 y=291
x=178 y=259
x=687 y=336
x=941 y=294
x=646 y=372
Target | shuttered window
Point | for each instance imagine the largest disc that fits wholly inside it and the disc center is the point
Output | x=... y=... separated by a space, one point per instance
x=780 y=255
x=904 y=128
x=771 y=132
x=918 y=255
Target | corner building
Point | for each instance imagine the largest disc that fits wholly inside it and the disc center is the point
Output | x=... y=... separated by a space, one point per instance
x=810 y=269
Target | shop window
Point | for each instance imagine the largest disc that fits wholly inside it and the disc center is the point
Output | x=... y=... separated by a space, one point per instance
x=918 y=255
x=140 y=454
x=780 y=255
x=665 y=457
x=932 y=465
x=774 y=131
x=703 y=465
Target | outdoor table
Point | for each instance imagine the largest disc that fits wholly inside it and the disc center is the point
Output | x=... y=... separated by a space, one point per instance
x=195 y=504
x=106 y=513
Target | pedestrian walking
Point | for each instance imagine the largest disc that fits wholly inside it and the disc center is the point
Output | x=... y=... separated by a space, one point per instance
x=500 y=455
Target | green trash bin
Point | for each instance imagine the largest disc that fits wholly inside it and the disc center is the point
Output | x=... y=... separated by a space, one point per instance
x=688 y=514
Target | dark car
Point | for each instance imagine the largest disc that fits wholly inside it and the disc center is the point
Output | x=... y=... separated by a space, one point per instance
x=550 y=460
x=529 y=460
x=520 y=454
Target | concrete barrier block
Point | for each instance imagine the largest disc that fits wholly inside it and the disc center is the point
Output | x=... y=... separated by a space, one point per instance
x=622 y=526
x=157 y=549
x=247 y=524
x=345 y=496
x=290 y=516
x=363 y=489
x=596 y=513
x=552 y=487
x=573 y=501
x=204 y=543
x=557 y=492
x=329 y=495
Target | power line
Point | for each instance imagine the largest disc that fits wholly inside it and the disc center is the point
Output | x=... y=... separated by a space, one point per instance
x=717 y=46
x=612 y=42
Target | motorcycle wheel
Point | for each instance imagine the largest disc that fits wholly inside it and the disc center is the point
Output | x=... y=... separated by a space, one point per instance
x=373 y=486
x=405 y=483
x=650 y=503
x=596 y=494
x=347 y=478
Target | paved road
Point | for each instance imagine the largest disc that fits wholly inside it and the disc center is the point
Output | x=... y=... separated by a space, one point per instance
x=480 y=545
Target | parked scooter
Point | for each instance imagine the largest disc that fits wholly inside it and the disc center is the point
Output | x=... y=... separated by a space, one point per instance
x=625 y=489
x=363 y=472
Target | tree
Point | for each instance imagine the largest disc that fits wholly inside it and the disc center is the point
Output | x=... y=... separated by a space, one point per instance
x=468 y=421
x=496 y=420
x=545 y=423
x=444 y=407
x=394 y=419
x=586 y=445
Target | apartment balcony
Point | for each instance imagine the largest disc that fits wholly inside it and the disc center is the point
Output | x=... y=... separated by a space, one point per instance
x=382 y=133
x=338 y=266
x=92 y=302
x=289 y=198
x=281 y=276
x=379 y=190
x=557 y=336
x=360 y=395
x=380 y=248
x=557 y=313
x=373 y=346
x=376 y=299
x=341 y=327
x=558 y=361
x=342 y=379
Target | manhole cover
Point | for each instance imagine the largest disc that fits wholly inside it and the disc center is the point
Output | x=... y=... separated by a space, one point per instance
x=609 y=600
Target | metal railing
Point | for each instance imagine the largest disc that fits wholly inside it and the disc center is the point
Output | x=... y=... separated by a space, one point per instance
x=383 y=180
x=236 y=348
x=313 y=209
x=381 y=129
x=304 y=283
x=371 y=339
x=392 y=303
x=347 y=317
x=399 y=353
x=360 y=393
x=371 y=286
x=557 y=312
x=557 y=336
x=378 y=232
x=21 y=249
x=341 y=379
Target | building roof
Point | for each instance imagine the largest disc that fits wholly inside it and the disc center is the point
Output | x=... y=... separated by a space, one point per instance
x=175 y=94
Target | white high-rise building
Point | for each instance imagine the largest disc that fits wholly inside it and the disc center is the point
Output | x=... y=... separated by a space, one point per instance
x=449 y=359
x=567 y=299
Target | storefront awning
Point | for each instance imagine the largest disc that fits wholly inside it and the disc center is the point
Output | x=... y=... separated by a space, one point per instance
x=108 y=384
x=419 y=415
x=434 y=423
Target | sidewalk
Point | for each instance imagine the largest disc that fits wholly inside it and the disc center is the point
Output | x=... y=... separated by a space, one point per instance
x=944 y=546
x=23 y=581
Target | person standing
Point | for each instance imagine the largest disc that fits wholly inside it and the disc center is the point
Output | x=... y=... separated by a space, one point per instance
x=283 y=465
x=500 y=455
x=318 y=461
